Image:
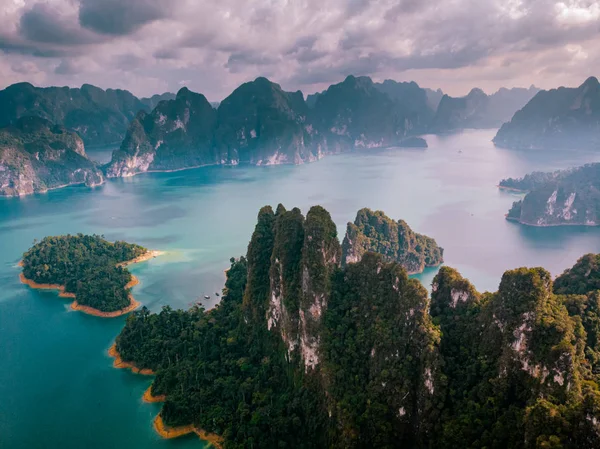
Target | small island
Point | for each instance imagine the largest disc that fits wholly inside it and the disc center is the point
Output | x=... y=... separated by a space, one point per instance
x=87 y=268
x=562 y=198
x=373 y=231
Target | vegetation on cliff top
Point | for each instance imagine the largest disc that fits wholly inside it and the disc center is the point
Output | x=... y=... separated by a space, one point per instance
x=373 y=231
x=86 y=265
x=567 y=197
x=380 y=365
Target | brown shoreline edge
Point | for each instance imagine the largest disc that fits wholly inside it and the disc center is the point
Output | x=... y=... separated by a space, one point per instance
x=133 y=304
x=175 y=432
x=159 y=426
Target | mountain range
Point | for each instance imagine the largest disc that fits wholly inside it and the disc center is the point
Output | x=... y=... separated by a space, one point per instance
x=260 y=123
x=479 y=110
x=563 y=118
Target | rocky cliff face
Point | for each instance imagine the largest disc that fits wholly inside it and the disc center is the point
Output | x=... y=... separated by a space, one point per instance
x=357 y=114
x=562 y=118
x=100 y=117
x=177 y=134
x=36 y=156
x=394 y=240
x=478 y=110
x=312 y=305
x=261 y=124
x=520 y=342
x=570 y=197
x=356 y=356
x=463 y=112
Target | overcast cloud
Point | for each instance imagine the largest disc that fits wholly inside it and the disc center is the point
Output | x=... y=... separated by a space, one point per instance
x=152 y=46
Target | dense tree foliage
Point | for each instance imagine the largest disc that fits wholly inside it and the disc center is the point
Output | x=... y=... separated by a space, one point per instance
x=373 y=231
x=86 y=265
x=566 y=197
x=302 y=352
x=531 y=180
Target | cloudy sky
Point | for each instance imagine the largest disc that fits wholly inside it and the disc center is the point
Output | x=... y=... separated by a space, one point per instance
x=152 y=46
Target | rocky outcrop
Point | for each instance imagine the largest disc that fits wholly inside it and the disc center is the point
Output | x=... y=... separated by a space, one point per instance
x=373 y=231
x=176 y=134
x=416 y=103
x=358 y=356
x=478 y=110
x=563 y=118
x=261 y=124
x=520 y=342
x=36 y=156
x=569 y=197
x=100 y=117
x=357 y=114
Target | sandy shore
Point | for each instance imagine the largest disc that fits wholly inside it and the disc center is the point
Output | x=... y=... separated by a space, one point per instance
x=33 y=284
x=121 y=364
x=150 y=398
x=143 y=258
x=176 y=432
x=133 y=304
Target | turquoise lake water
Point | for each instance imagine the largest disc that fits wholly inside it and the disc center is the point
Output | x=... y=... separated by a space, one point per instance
x=57 y=385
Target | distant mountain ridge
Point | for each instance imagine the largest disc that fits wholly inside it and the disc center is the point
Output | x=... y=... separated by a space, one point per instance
x=479 y=110
x=562 y=118
x=261 y=124
x=152 y=102
x=100 y=117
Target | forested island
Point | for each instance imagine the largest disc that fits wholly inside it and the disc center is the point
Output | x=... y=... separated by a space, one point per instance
x=88 y=268
x=373 y=231
x=306 y=352
x=561 y=198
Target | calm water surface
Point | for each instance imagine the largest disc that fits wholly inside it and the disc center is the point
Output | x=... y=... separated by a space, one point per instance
x=57 y=386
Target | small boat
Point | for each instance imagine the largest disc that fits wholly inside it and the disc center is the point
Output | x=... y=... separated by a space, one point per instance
x=217 y=294
x=206 y=297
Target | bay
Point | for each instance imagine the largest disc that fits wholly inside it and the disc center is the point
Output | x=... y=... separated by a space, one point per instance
x=57 y=385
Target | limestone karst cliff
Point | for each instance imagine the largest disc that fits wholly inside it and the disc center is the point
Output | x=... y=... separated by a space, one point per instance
x=568 y=197
x=176 y=134
x=304 y=352
x=36 y=156
x=563 y=118
x=373 y=231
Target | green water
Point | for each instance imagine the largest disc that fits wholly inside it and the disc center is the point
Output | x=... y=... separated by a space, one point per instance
x=57 y=386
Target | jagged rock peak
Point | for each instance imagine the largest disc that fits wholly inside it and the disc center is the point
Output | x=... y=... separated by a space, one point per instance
x=373 y=231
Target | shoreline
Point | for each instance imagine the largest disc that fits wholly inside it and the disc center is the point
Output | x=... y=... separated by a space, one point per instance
x=555 y=225
x=512 y=189
x=75 y=306
x=119 y=363
x=150 y=254
x=149 y=398
x=175 y=432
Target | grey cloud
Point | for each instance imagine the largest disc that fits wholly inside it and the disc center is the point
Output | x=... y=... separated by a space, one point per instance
x=219 y=43
x=240 y=60
x=66 y=67
x=120 y=17
x=15 y=45
x=45 y=24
